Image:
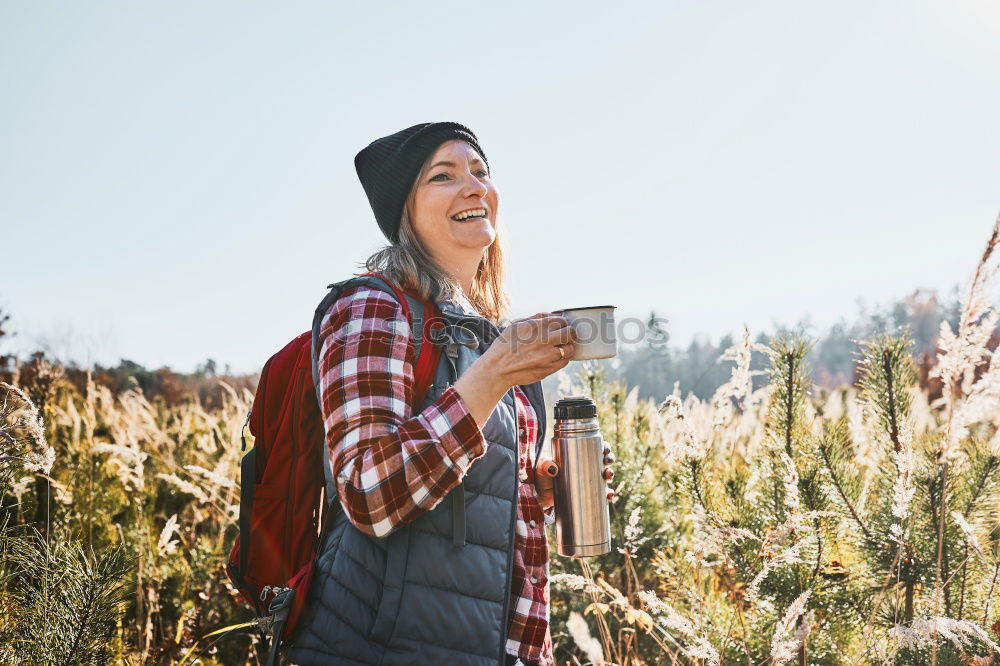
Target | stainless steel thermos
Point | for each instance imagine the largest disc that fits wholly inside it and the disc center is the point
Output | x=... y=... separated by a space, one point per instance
x=583 y=526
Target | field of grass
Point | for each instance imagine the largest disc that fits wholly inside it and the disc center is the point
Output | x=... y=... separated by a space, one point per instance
x=773 y=523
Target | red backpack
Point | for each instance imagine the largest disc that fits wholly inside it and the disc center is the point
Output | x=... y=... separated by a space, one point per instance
x=282 y=481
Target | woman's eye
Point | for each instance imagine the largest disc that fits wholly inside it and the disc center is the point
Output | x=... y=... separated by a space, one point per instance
x=482 y=173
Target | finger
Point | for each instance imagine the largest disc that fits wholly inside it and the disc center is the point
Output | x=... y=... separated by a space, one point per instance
x=555 y=322
x=531 y=330
x=609 y=459
x=567 y=353
x=561 y=336
x=548 y=315
x=609 y=474
x=546 y=324
x=547 y=468
x=611 y=495
x=534 y=317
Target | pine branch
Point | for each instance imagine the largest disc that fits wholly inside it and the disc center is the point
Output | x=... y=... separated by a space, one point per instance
x=887 y=375
x=819 y=550
x=75 y=623
x=983 y=478
x=891 y=396
x=982 y=473
x=838 y=485
x=694 y=468
x=789 y=401
x=791 y=382
x=961 y=595
x=946 y=575
x=940 y=572
x=989 y=595
x=910 y=586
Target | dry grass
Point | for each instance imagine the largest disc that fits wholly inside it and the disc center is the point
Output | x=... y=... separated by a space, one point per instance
x=160 y=480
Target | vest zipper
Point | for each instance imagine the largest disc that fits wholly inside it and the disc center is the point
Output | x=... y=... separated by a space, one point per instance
x=510 y=550
x=501 y=658
x=458 y=532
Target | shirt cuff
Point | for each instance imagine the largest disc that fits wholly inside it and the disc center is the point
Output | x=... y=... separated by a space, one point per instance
x=550 y=515
x=449 y=421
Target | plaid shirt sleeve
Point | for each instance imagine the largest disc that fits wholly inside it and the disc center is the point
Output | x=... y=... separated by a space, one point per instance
x=390 y=465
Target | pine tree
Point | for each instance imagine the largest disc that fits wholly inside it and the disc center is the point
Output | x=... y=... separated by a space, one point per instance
x=59 y=604
x=65 y=604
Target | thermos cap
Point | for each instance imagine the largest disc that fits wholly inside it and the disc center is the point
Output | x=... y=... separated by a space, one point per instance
x=575 y=407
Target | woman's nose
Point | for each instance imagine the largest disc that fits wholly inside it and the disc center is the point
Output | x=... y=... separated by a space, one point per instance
x=475 y=187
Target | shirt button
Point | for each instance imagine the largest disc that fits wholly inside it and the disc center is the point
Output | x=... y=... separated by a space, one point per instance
x=532 y=523
x=534 y=580
x=522 y=433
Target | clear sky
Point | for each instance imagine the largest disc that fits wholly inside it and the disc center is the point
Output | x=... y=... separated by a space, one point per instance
x=177 y=179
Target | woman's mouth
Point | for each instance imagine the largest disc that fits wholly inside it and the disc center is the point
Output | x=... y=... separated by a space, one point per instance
x=470 y=215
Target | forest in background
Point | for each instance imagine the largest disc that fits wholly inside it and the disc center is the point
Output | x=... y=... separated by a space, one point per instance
x=653 y=365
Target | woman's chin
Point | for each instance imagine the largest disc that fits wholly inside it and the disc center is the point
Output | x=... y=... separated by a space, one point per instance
x=474 y=234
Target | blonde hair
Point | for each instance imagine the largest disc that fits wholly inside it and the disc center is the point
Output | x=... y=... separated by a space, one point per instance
x=407 y=263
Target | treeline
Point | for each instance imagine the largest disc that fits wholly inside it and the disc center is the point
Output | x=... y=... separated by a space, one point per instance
x=654 y=365
x=161 y=385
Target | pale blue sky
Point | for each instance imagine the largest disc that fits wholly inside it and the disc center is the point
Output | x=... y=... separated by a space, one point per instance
x=176 y=179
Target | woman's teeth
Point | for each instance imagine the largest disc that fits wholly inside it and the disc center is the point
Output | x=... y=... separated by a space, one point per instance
x=469 y=214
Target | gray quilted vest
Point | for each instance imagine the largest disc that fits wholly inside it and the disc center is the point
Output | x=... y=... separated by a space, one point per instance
x=436 y=591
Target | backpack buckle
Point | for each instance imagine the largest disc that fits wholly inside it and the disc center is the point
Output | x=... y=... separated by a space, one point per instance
x=281 y=604
x=273 y=623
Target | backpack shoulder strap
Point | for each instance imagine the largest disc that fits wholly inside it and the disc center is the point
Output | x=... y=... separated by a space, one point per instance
x=424 y=314
x=416 y=310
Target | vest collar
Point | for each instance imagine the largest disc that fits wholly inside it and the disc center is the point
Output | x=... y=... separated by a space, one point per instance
x=459 y=307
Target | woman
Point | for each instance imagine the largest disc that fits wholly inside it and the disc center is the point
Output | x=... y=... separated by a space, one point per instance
x=404 y=577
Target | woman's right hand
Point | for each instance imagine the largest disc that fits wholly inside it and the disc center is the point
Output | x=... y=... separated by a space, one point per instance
x=523 y=353
x=528 y=350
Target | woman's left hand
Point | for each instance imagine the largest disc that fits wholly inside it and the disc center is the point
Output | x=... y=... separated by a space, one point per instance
x=546 y=471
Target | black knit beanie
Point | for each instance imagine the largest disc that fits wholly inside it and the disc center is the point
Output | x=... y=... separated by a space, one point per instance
x=388 y=166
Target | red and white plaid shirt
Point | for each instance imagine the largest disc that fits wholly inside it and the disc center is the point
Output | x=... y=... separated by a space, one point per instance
x=391 y=465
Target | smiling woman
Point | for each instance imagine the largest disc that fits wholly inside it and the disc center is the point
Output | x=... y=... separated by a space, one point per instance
x=435 y=550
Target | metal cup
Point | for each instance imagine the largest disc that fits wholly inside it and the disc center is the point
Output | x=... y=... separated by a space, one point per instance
x=595 y=330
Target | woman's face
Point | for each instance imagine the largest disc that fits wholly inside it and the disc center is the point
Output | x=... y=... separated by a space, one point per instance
x=454 y=181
